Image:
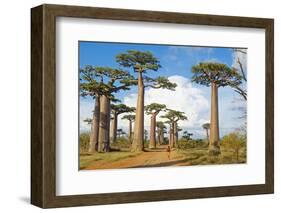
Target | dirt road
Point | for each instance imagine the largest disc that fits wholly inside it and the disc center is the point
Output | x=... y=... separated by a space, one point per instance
x=149 y=158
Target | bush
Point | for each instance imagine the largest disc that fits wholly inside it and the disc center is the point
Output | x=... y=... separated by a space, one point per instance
x=121 y=142
x=84 y=140
x=234 y=142
x=189 y=144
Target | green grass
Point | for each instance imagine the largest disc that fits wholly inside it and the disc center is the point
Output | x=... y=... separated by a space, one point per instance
x=200 y=156
x=89 y=159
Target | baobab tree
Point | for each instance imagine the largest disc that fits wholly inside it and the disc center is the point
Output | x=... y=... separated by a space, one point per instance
x=153 y=110
x=142 y=62
x=101 y=83
x=118 y=109
x=206 y=127
x=91 y=84
x=173 y=117
x=161 y=130
x=131 y=119
x=215 y=75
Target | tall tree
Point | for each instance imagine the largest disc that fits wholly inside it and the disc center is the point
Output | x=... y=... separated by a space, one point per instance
x=101 y=83
x=215 y=75
x=131 y=119
x=118 y=109
x=161 y=130
x=173 y=117
x=206 y=127
x=153 y=110
x=91 y=84
x=142 y=62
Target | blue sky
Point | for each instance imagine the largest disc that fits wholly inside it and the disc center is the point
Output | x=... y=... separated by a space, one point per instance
x=176 y=62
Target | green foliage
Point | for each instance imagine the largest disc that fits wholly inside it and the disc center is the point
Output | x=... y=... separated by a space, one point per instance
x=234 y=142
x=129 y=117
x=206 y=126
x=140 y=61
x=174 y=116
x=184 y=144
x=97 y=81
x=121 y=108
x=84 y=140
x=161 y=125
x=220 y=74
x=154 y=108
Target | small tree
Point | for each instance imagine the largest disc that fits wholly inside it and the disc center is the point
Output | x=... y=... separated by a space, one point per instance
x=153 y=110
x=142 y=62
x=235 y=142
x=206 y=127
x=215 y=75
x=131 y=119
x=118 y=109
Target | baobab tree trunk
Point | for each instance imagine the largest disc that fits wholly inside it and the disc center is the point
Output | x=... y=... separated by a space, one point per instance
x=161 y=137
x=114 y=127
x=103 y=143
x=130 y=131
x=94 y=136
x=138 y=141
x=175 y=132
x=152 y=141
x=172 y=145
x=111 y=130
x=214 y=147
x=207 y=135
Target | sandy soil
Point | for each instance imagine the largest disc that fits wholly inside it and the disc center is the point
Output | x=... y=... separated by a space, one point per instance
x=149 y=158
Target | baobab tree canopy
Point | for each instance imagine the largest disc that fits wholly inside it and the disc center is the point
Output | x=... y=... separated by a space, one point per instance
x=174 y=116
x=140 y=61
x=154 y=108
x=206 y=73
x=121 y=108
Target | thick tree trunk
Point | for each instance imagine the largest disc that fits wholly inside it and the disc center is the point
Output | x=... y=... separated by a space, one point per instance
x=152 y=140
x=111 y=130
x=158 y=136
x=94 y=136
x=103 y=144
x=171 y=142
x=162 y=136
x=175 y=133
x=130 y=131
x=138 y=141
x=207 y=135
x=114 y=127
x=214 y=148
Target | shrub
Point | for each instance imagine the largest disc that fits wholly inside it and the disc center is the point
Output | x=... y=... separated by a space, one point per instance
x=84 y=140
x=188 y=144
x=235 y=142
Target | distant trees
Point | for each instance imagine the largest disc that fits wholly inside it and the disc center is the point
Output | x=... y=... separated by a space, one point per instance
x=206 y=127
x=173 y=117
x=118 y=109
x=131 y=119
x=153 y=110
x=215 y=75
x=142 y=62
x=161 y=130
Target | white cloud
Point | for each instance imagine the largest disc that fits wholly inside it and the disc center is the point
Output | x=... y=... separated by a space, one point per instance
x=185 y=98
